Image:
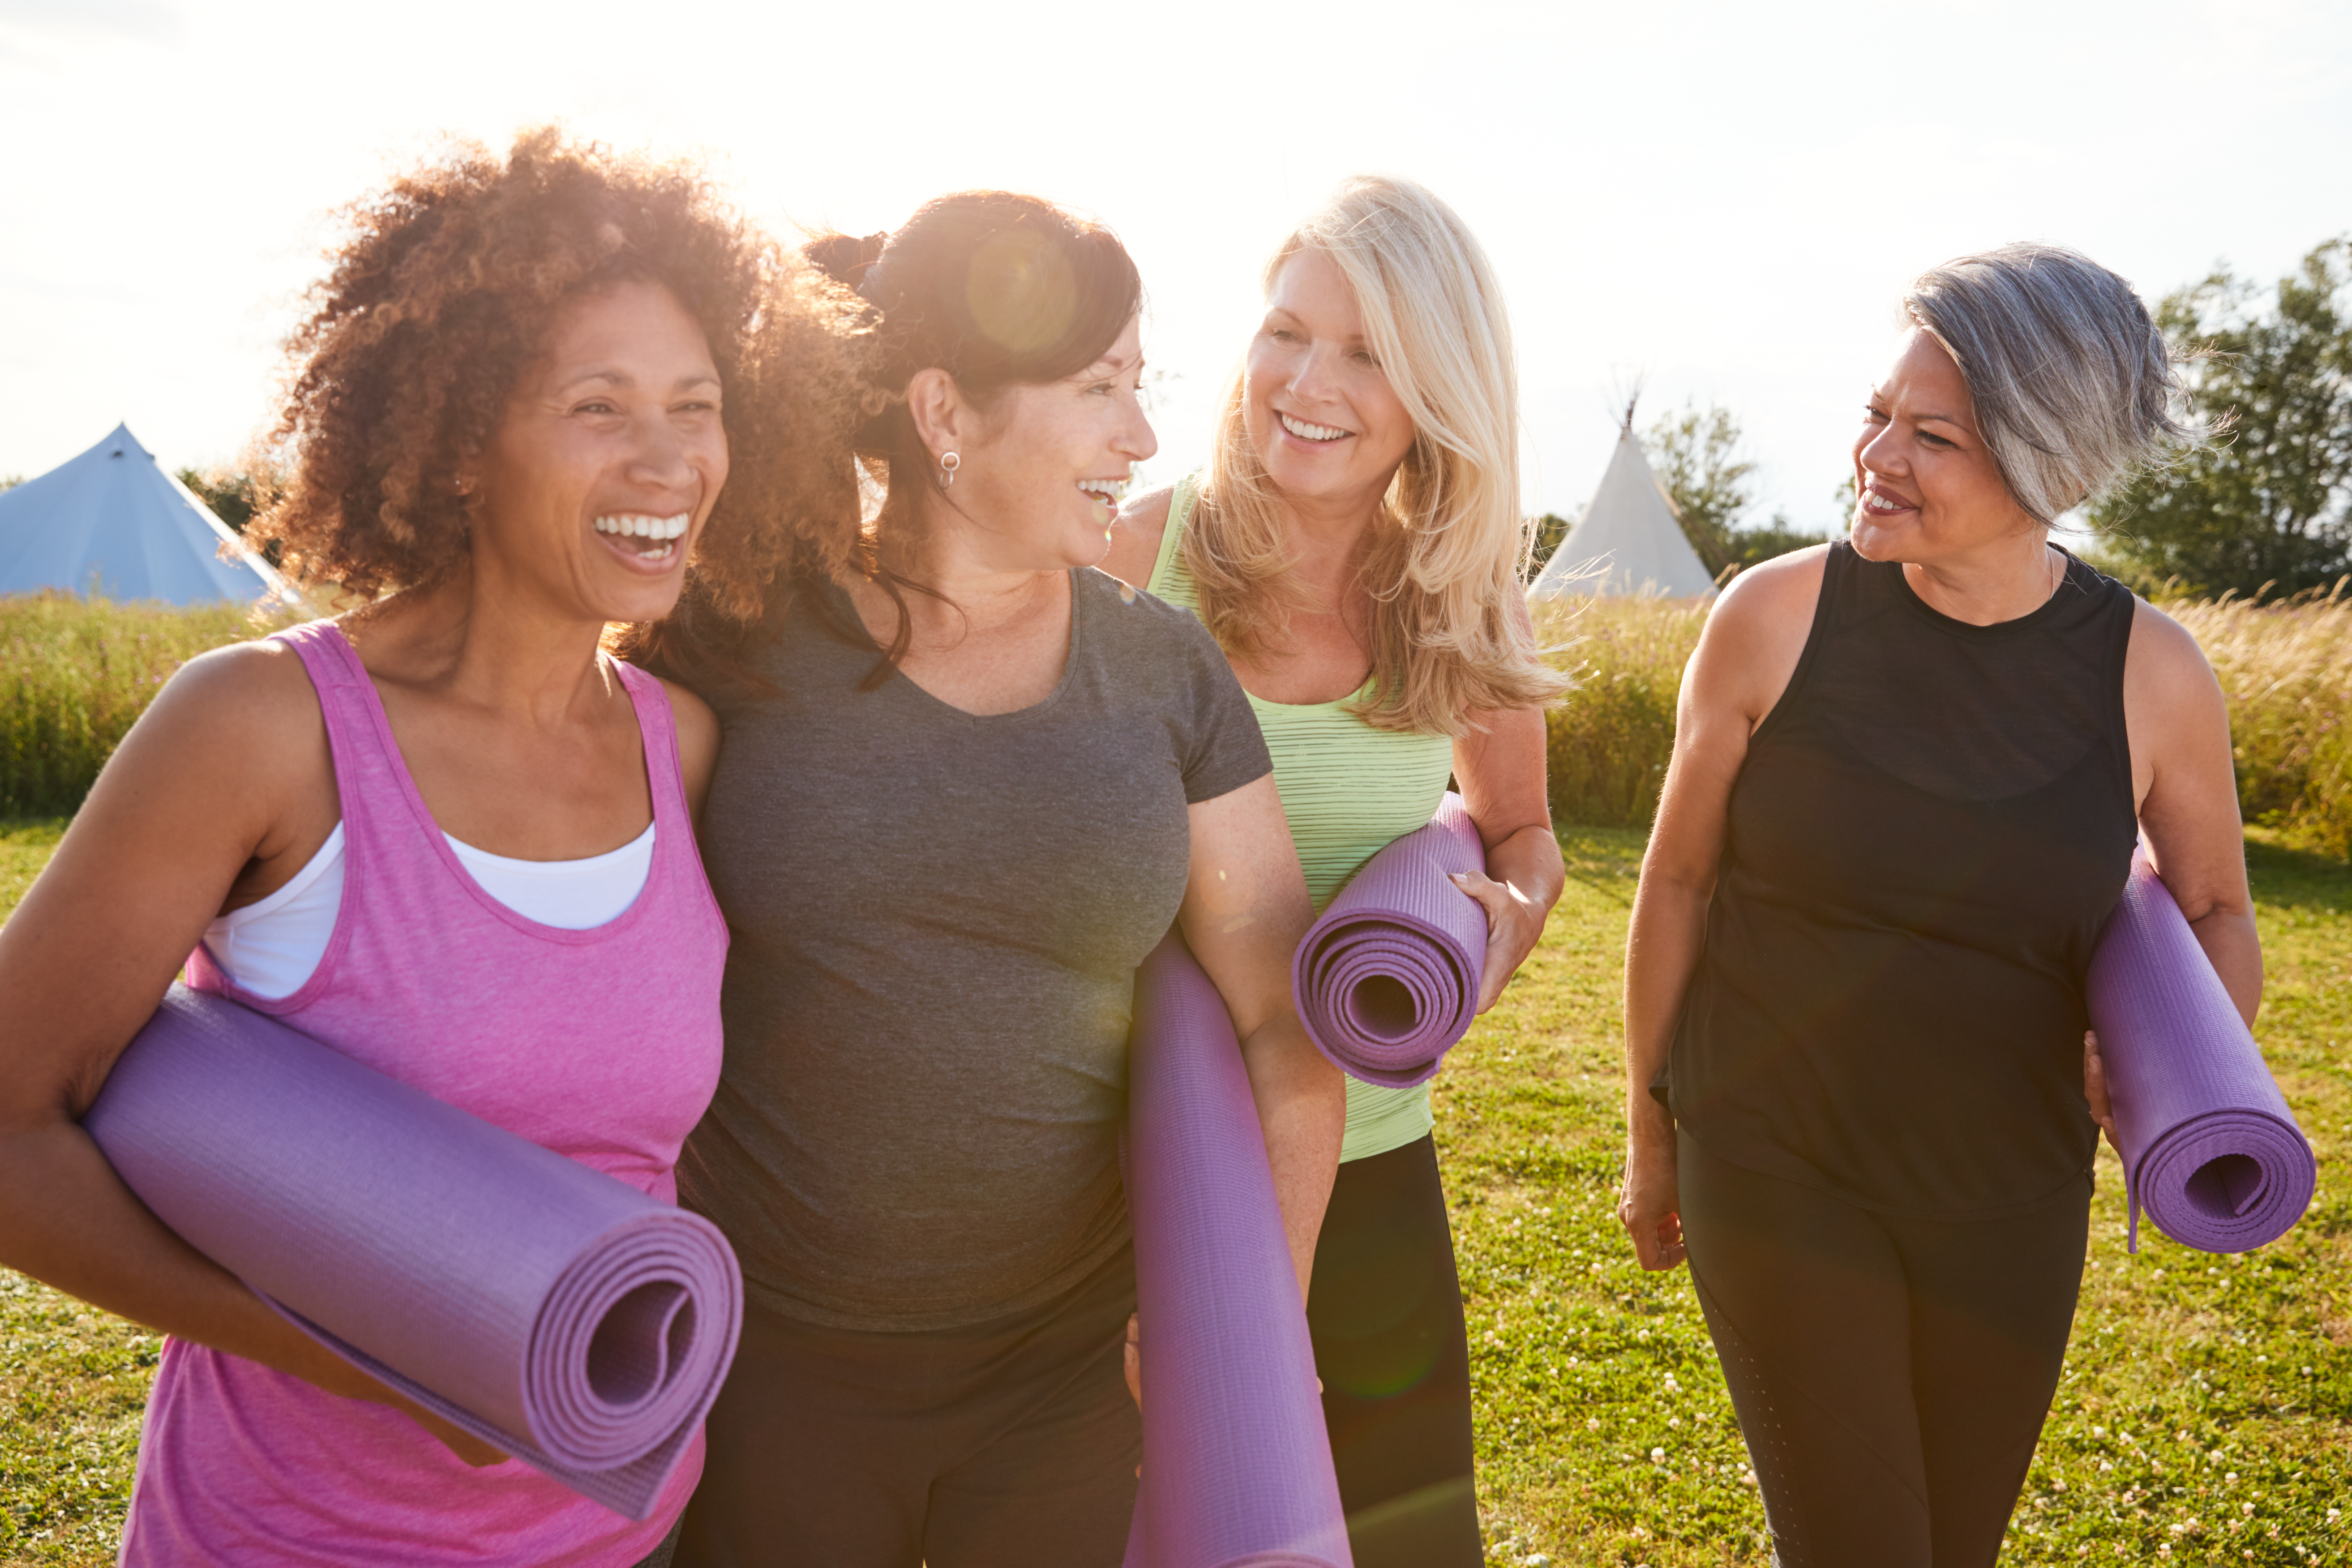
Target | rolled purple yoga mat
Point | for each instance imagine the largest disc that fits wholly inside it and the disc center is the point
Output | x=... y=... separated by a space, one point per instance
x=1236 y=1463
x=2209 y=1148
x=549 y=1310
x=1386 y=981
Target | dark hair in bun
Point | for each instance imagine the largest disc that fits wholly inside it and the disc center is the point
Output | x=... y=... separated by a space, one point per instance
x=995 y=289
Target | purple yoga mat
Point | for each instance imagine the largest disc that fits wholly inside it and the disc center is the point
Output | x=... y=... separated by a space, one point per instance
x=1237 y=1464
x=1386 y=981
x=2209 y=1148
x=549 y=1310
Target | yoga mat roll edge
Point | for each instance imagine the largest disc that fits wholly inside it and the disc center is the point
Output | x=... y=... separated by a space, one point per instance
x=1387 y=980
x=555 y=1312
x=1236 y=1462
x=2210 y=1148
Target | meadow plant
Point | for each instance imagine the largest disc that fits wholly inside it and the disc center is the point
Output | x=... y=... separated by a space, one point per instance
x=74 y=672
x=2285 y=670
x=1609 y=739
x=2286 y=673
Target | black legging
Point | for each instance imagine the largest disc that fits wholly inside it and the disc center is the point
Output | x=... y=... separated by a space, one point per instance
x=1891 y=1375
x=1386 y=1313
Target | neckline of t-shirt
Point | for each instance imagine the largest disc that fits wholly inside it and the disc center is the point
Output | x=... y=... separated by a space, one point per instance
x=1069 y=661
x=2027 y=622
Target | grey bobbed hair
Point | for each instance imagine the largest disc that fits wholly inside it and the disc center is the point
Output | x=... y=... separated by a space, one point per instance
x=2075 y=389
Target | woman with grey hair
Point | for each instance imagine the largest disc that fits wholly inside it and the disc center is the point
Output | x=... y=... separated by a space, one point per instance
x=1909 y=770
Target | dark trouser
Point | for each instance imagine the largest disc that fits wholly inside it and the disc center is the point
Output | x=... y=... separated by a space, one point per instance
x=1007 y=1443
x=1891 y=1375
x=1386 y=1313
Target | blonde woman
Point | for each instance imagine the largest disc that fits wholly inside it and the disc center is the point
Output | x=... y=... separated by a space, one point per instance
x=1354 y=546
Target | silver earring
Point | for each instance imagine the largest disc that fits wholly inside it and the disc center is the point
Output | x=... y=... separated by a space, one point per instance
x=949 y=464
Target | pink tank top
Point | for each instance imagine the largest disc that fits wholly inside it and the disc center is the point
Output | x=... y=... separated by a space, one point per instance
x=601 y=1044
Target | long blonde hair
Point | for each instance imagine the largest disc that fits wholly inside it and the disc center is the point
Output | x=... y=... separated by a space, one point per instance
x=1448 y=627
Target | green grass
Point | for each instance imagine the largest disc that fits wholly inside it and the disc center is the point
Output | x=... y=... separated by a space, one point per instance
x=76 y=672
x=1585 y=1367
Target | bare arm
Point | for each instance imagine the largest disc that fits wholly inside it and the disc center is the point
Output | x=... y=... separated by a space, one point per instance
x=2188 y=796
x=2185 y=785
x=1501 y=770
x=1744 y=660
x=1245 y=907
x=222 y=783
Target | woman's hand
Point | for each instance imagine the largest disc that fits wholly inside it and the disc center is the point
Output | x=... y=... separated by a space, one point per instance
x=1515 y=922
x=2095 y=1086
x=1649 y=1206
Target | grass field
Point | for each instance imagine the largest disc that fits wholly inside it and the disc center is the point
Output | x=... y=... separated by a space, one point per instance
x=2205 y=1415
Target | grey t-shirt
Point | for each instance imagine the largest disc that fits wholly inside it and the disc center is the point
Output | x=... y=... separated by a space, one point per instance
x=937 y=920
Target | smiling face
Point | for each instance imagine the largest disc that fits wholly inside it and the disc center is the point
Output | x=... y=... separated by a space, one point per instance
x=604 y=465
x=1319 y=409
x=1929 y=490
x=1041 y=475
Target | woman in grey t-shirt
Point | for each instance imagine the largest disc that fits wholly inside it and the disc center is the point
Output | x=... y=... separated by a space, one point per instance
x=974 y=781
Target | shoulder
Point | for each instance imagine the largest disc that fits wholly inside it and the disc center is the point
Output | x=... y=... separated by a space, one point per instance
x=247 y=695
x=1131 y=614
x=696 y=728
x=239 y=728
x=1136 y=535
x=1755 y=635
x=2161 y=647
x=1768 y=597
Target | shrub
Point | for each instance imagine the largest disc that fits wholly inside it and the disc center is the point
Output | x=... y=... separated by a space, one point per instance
x=75 y=673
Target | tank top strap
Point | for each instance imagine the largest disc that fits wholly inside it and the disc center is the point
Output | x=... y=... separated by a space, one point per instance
x=369 y=774
x=664 y=772
x=1170 y=579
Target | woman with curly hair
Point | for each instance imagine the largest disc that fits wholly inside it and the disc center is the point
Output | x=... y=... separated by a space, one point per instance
x=445 y=834
x=972 y=785
x=1354 y=547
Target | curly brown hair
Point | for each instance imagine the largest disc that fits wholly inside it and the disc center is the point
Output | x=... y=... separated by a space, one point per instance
x=442 y=296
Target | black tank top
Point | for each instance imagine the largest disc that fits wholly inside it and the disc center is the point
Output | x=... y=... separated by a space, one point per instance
x=1932 y=826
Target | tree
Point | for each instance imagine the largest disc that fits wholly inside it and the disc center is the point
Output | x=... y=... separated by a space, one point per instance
x=235 y=494
x=1695 y=455
x=2269 y=500
x=1549 y=529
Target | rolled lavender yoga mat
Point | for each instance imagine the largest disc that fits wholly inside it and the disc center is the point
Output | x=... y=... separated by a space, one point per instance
x=555 y=1312
x=2209 y=1148
x=1236 y=1463
x=1386 y=981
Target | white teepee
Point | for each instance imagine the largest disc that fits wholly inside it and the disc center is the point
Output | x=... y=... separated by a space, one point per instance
x=1627 y=542
x=112 y=523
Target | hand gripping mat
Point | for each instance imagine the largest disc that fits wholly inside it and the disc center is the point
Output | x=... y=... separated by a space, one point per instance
x=555 y=1312
x=2209 y=1148
x=1386 y=981
x=1237 y=1464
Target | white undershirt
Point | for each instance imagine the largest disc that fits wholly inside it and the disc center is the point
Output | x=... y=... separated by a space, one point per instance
x=272 y=947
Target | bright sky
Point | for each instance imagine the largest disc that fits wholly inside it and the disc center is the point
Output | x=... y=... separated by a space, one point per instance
x=1721 y=200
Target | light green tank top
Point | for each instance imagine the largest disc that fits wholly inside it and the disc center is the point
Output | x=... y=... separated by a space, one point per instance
x=1348 y=790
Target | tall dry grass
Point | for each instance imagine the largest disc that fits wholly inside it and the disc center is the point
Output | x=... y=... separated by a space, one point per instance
x=74 y=672
x=1607 y=745
x=2286 y=671
x=2286 y=674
